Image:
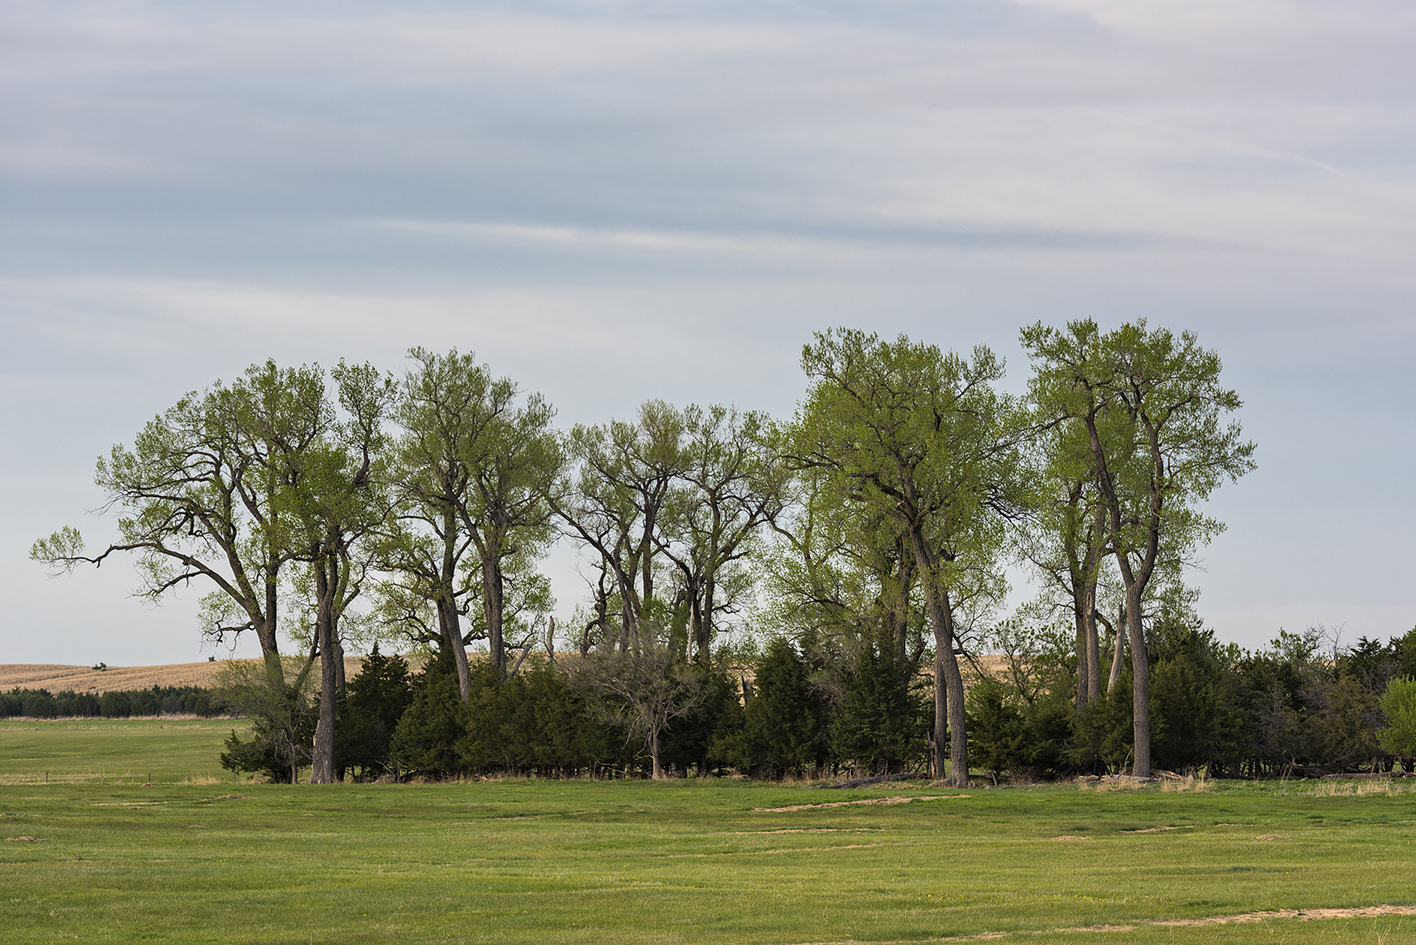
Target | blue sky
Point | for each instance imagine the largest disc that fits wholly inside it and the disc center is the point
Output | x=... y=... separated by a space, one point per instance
x=615 y=201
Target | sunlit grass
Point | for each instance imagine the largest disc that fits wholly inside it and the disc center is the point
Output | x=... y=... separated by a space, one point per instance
x=691 y=861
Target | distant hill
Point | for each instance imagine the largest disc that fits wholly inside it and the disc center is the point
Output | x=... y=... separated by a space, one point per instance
x=56 y=677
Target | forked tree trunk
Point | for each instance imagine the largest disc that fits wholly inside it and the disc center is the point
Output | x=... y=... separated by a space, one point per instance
x=949 y=717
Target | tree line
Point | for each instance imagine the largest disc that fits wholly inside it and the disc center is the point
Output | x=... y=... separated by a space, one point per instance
x=113 y=704
x=325 y=510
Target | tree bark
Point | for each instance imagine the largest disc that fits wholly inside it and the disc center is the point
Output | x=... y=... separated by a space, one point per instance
x=1140 y=684
x=452 y=639
x=322 y=758
x=1119 y=655
x=949 y=713
x=492 y=608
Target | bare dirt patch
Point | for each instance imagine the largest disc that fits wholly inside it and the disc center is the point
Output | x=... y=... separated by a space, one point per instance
x=24 y=839
x=1069 y=837
x=1159 y=829
x=1308 y=915
x=870 y=800
x=1268 y=836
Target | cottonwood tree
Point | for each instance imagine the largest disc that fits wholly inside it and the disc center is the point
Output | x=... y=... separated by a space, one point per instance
x=1065 y=538
x=909 y=434
x=624 y=473
x=198 y=499
x=726 y=488
x=839 y=581
x=473 y=474
x=336 y=496
x=1156 y=422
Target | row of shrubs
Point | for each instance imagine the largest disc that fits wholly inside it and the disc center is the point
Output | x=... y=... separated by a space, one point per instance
x=115 y=704
x=1295 y=707
x=1300 y=706
x=545 y=721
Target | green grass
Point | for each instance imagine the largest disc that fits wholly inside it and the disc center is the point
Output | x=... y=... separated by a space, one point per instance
x=520 y=861
x=113 y=750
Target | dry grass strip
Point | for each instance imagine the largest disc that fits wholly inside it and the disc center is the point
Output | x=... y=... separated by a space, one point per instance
x=904 y=799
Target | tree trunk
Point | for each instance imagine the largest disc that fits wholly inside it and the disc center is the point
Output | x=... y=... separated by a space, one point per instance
x=270 y=642
x=322 y=758
x=452 y=638
x=492 y=607
x=1140 y=684
x=704 y=642
x=656 y=771
x=949 y=713
x=448 y=617
x=1116 y=664
x=1093 y=651
x=1083 y=655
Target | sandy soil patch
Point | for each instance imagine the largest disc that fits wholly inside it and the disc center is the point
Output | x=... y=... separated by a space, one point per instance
x=1309 y=915
x=1159 y=829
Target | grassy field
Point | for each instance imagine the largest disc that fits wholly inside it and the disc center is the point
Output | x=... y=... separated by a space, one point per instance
x=119 y=751
x=685 y=861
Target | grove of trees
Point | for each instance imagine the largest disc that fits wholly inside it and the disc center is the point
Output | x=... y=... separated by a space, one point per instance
x=773 y=596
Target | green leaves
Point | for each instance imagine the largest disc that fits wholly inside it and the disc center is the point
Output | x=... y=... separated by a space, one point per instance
x=60 y=551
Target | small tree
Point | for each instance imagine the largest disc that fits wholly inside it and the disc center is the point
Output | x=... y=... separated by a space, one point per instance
x=646 y=690
x=881 y=724
x=1399 y=706
x=375 y=700
x=281 y=716
x=427 y=734
x=782 y=723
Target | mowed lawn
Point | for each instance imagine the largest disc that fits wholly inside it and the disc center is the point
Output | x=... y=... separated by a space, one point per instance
x=684 y=861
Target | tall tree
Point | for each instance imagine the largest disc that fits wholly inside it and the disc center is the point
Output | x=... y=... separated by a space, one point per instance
x=921 y=439
x=473 y=473
x=515 y=471
x=624 y=474
x=336 y=495
x=197 y=496
x=1065 y=538
x=727 y=487
x=1156 y=421
x=838 y=580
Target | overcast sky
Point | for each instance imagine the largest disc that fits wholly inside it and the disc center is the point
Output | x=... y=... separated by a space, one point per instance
x=615 y=201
